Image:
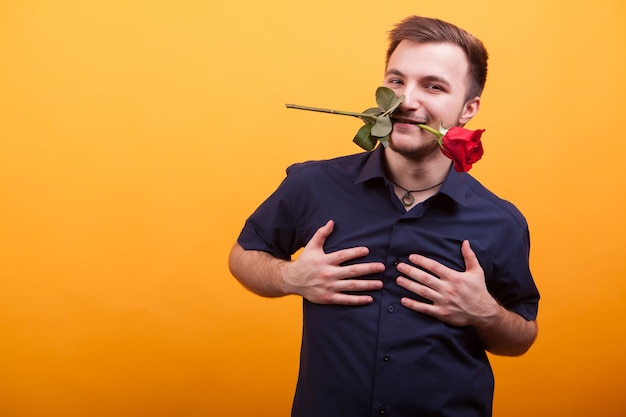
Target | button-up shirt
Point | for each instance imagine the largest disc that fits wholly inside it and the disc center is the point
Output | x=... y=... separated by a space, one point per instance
x=383 y=358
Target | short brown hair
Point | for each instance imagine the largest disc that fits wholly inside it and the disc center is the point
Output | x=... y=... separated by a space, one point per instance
x=428 y=30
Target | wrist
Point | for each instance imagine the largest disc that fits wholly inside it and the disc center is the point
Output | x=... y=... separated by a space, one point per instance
x=284 y=280
x=490 y=316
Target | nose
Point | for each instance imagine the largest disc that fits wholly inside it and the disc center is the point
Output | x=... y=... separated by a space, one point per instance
x=412 y=99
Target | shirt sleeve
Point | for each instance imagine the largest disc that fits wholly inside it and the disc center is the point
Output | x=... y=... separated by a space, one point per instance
x=272 y=227
x=512 y=282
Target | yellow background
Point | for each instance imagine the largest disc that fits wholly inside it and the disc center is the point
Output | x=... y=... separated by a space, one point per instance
x=137 y=136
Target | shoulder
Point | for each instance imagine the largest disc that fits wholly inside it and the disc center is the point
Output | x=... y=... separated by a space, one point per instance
x=343 y=165
x=487 y=199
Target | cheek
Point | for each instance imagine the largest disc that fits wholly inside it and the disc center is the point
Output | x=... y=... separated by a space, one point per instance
x=451 y=113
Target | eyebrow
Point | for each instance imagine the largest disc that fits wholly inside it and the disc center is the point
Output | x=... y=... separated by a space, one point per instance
x=427 y=78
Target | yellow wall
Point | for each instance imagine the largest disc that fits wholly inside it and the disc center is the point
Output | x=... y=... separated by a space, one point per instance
x=135 y=138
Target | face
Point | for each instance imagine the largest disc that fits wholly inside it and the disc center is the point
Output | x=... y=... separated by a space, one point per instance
x=433 y=79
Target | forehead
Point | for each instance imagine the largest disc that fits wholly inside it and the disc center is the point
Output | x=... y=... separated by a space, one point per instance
x=443 y=59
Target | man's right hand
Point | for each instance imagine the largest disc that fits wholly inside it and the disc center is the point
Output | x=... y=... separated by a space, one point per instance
x=315 y=275
x=320 y=278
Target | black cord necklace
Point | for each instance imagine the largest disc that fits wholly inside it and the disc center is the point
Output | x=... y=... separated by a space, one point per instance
x=408 y=199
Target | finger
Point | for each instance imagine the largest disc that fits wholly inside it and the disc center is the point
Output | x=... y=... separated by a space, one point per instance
x=344 y=255
x=471 y=261
x=418 y=289
x=422 y=277
x=351 y=300
x=420 y=306
x=358 y=285
x=432 y=266
x=358 y=270
x=320 y=235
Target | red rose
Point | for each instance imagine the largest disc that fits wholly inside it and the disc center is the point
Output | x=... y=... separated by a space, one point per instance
x=463 y=146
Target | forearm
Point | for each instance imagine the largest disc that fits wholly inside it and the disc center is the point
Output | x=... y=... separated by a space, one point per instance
x=258 y=271
x=507 y=333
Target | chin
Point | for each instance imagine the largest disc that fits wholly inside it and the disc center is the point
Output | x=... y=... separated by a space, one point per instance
x=407 y=145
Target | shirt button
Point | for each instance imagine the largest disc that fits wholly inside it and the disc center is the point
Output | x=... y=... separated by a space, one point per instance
x=382 y=410
x=390 y=309
x=386 y=357
x=396 y=261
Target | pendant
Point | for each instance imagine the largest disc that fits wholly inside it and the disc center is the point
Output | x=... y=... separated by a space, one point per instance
x=407 y=199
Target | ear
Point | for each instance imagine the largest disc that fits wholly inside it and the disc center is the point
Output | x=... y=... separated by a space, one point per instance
x=469 y=110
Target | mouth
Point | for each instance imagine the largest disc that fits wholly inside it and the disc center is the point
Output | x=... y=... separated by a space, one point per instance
x=409 y=121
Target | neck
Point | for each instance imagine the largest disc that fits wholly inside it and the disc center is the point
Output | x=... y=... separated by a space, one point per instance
x=415 y=181
x=415 y=174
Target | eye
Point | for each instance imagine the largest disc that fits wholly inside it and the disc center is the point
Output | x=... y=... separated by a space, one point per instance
x=395 y=81
x=434 y=87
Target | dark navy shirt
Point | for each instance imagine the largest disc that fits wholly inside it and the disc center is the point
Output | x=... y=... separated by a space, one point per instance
x=383 y=358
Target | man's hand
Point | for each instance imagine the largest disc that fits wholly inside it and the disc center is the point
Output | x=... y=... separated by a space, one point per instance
x=320 y=278
x=462 y=299
x=459 y=298
x=315 y=275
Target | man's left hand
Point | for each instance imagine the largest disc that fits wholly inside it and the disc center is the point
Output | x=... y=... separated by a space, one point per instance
x=459 y=298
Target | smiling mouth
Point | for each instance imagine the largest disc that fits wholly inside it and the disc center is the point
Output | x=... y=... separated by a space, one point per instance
x=408 y=121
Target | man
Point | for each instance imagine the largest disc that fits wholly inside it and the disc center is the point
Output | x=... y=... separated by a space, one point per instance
x=410 y=270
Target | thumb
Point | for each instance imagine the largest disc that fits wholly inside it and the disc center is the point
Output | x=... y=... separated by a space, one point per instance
x=471 y=261
x=319 y=238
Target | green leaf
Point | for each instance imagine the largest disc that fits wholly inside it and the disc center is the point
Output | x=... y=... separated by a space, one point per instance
x=364 y=139
x=369 y=115
x=385 y=98
x=395 y=105
x=384 y=141
x=382 y=127
x=374 y=110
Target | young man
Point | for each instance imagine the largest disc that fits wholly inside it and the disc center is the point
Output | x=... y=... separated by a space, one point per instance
x=410 y=270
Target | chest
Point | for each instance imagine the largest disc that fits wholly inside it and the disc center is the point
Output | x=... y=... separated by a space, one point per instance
x=432 y=229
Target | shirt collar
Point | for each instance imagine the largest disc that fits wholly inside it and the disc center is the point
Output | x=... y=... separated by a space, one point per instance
x=453 y=186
